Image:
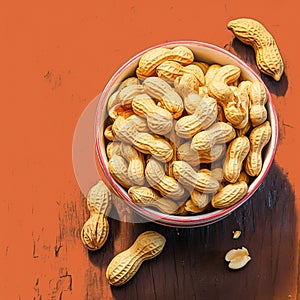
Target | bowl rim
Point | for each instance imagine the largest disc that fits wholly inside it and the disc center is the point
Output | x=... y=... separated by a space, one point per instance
x=175 y=220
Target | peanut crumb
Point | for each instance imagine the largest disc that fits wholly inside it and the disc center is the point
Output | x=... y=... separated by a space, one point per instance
x=236 y=234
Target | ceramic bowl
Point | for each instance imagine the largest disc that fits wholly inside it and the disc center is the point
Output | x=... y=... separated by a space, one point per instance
x=203 y=52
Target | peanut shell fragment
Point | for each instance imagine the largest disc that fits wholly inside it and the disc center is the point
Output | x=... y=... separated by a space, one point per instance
x=237 y=258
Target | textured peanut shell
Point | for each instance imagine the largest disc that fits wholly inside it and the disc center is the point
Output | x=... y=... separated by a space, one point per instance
x=113 y=148
x=159 y=89
x=242 y=94
x=228 y=74
x=136 y=164
x=146 y=196
x=159 y=120
x=170 y=70
x=211 y=72
x=166 y=185
x=204 y=115
x=188 y=177
x=258 y=98
x=244 y=130
x=217 y=173
x=146 y=143
x=95 y=232
x=218 y=87
x=218 y=133
x=203 y=91
x=126 y=95
x=114 y=99
x=125 y=265
x=126 y=90
x=154 y=145
x=114 y=105
x=187 y=86
x=174 y=141
x=244 y=177
x=112 y=102
x=152 y=58
x=108 y=133
x=268 y=57
x=234 y=113
x=118 y=168
x=229 y=195
x=259 y=137
x=194 y=158
x=119 y=110
x=191 y=101
x=221 y=116
x=139 y=123
x=181 y=211
x=235 y=155
x=128 y=81
x=204 y=66
x=196 y=71
x=200 y=200
x=99 y=199
x=190 y=207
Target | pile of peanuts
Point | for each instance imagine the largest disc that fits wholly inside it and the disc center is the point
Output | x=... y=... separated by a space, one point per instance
x=185 y=137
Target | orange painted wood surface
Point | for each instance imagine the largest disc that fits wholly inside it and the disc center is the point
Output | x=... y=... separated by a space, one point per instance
x=56 y=57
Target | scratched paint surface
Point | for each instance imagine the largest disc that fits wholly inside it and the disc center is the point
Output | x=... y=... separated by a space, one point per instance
x=57 y=57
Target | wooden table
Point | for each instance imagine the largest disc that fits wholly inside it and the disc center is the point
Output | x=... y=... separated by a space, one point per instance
x=57 y=59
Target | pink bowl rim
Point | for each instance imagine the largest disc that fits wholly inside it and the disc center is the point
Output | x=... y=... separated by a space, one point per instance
x=173 y=220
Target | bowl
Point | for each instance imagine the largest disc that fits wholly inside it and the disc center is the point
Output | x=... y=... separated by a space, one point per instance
x=203 y=52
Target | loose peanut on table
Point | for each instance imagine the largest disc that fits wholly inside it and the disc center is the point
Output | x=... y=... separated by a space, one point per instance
x=252 y=32
x=95 y=230
x=186 y=137
x=125 y=264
